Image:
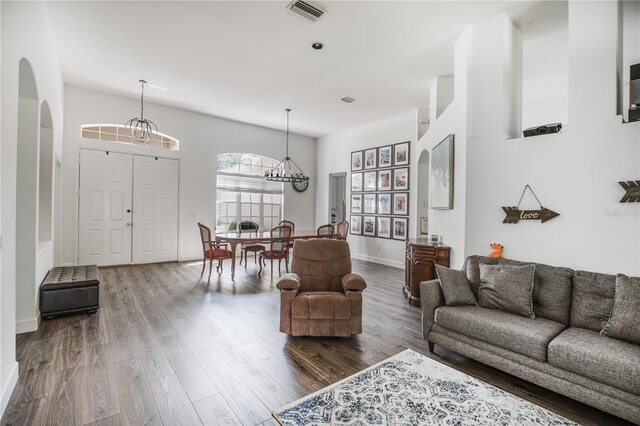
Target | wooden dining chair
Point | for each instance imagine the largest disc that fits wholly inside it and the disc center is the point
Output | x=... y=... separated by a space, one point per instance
x=291 y=225
x=278 y=249
x=212 y=250
x=326 y=231
x=342 y=230
x=255 y=248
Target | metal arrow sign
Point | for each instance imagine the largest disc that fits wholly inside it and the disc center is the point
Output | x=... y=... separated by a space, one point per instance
x=633 y=191
x=515 y=215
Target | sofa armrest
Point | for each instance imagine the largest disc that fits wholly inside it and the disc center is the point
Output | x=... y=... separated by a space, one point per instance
x=431 y=297
x=353 y=282
x=289 y=281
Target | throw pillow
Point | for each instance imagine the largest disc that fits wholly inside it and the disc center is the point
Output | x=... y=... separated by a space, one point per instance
x=508 y=288
x=624 y=321
x=455 y=287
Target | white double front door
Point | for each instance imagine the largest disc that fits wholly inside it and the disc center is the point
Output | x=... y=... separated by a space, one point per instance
x=128 y=208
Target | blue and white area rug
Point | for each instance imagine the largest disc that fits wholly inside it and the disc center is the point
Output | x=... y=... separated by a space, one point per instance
x=412 y=389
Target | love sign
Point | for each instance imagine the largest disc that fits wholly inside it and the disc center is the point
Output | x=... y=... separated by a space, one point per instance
x=514 y=214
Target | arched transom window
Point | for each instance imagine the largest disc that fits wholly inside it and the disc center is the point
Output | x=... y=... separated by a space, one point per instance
x=122 y=134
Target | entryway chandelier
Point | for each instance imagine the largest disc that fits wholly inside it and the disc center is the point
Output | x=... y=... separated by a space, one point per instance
x=287 y=170
x=141 y=129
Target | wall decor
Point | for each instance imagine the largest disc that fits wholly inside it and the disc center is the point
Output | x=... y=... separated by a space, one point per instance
x=401 y=154
x=356 y=182
x=401 y=203
x=424 y=225
x=384 y=180
x=356 y=203
x=401 y=179
x=370 y=179
x=384 y=156
x=369 y=226
x=400 y=228
x=384 y=203
x=370 y=160
x=633 y=191
x=369 y=203
x=384 y=227
x=514 y=214
x=356 y=160
x=356 y=225
x=441 y=188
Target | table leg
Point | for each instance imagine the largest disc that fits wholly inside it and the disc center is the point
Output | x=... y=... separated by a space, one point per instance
x=234 y=244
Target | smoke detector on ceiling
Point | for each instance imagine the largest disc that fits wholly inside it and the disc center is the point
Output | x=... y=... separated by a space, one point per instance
x=306 y=10
x=347 y=99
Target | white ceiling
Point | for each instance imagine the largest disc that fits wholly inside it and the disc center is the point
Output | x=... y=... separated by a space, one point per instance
x=248 y=60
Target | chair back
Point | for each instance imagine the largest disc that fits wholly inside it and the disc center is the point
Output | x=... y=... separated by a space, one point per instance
x=289 y=224
x=326 y=231
x=343 y=230
x=205 y=237
x=280 y=237
x=248 y=226
x=321 y=264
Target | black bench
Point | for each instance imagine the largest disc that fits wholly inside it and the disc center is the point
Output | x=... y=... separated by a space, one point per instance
x=70 y=289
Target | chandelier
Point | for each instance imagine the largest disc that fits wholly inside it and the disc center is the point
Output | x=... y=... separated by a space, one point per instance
x=141 y=128
x=287 y=170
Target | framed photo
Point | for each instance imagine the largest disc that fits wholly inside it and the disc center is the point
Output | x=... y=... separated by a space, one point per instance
x=401 y=154
x=401 y=179
x=370 y=160
x=356 y=225
x=400 y=228
x=356 y=203
x=384 y=203
x=384 y=156
x=356 y=182
x=356 y=160
x=384 y=227
x=424 y=225
x=384 y=180
x=369 y=226
x=369 y=203
x=441 y=189
x=401 y=203
x=370 y=181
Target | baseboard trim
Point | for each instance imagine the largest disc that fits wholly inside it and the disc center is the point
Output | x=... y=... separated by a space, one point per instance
x=8 y=389
x=378 y=260
x=27 y=326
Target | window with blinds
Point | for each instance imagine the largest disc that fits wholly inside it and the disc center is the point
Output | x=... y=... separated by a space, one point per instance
x=122 y=134
x=244 y=194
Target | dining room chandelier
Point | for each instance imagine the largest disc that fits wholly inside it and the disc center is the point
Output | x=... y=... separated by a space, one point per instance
x=141 y=129
x=287 y=170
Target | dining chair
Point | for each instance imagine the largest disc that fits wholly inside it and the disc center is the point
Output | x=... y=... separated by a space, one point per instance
x=291 y=225
x=342 y=230
x=278 y=249
x=326 y=231
x=255 y=248
x=212 y=250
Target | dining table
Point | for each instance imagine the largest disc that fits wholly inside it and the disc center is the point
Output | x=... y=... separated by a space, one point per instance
x=234 y=238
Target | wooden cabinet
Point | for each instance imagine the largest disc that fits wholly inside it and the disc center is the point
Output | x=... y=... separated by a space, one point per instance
x=420 y=260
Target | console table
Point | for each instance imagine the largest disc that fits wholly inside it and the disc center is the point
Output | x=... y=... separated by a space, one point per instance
x=420 y=259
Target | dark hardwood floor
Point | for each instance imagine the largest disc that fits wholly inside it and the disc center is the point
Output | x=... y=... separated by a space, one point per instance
x=168 y=348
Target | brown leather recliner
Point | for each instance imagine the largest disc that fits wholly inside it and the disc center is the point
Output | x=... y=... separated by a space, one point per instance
x=321 y=297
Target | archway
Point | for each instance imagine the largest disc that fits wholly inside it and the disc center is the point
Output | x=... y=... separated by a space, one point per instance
x=423 y=191
x=45 y=174
x=26 y=235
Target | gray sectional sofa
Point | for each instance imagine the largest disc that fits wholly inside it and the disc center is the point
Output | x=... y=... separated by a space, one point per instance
x=561 y=349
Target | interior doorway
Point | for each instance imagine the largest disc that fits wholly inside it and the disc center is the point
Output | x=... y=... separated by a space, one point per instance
x=423 y=193
x=337 y=198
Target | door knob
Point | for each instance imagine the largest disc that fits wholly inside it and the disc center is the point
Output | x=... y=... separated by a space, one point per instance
x=129 y=223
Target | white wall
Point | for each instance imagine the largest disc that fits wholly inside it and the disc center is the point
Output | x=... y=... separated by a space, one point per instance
x=201 y=138
x=25 y=33
x=333 y=155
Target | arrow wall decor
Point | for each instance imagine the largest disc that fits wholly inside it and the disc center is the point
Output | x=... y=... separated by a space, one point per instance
x=633 y=191
x=515 y=215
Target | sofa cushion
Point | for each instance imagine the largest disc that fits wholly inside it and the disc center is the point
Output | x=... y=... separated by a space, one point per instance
x=592 y=299
x=519 y=334
x=597 y=357
x=455 y=287
x=508 y=288
x=551 y=292
x=624 y=323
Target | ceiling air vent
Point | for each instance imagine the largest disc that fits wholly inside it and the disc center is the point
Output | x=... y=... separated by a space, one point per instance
x=306 y=10
x=347 y=99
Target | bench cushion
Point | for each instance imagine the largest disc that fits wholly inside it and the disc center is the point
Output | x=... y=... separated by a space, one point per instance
x=71 y=277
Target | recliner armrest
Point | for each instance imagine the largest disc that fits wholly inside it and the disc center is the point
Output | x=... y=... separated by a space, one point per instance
x=289 y=281
x=353 y=282
x=431 y=298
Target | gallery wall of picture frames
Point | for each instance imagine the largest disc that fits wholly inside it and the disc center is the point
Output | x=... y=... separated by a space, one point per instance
x=379 y=204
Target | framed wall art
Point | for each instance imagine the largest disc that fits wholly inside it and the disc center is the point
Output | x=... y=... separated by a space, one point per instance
x=370 y=158
x=356 y=203
x=356 y=160
x=401 y=154
x=401 y=203
x=356 y=225
x=384 y=227
x=369 y=202
x=369 y=226
x=384 y=156
x=370 y=179
x=384 y=180
x=384 y=203
x=401 y=179
x=400 y=228
x=356 y=182
x=441 y=188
